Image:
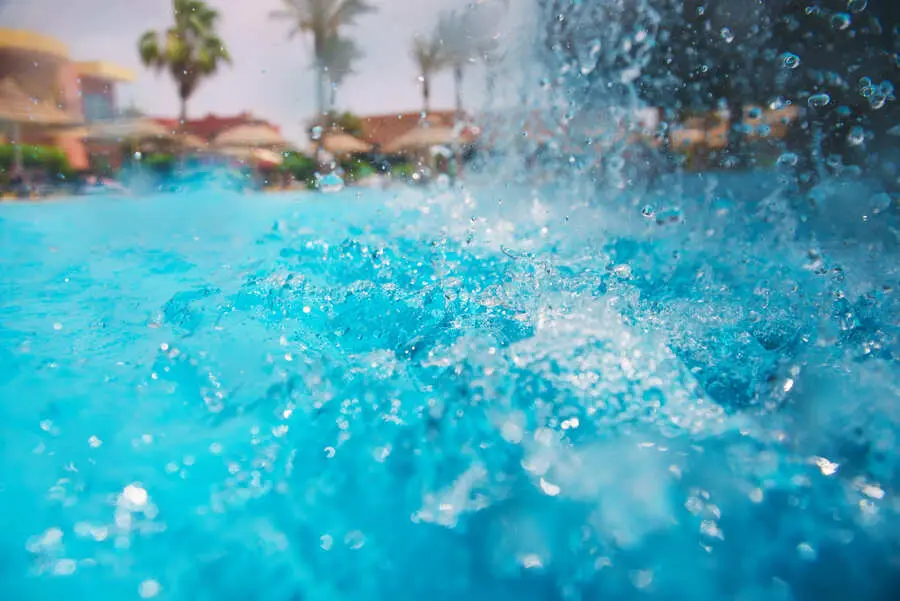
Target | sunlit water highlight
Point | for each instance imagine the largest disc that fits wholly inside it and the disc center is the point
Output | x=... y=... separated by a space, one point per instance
x=496 y=394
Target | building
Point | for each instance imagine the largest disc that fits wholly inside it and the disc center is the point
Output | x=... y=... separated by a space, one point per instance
x=210 y=126
x=380 y=130
x=41 y=67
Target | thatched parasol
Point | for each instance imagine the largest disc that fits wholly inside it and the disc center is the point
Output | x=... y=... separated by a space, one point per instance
x=340 y=143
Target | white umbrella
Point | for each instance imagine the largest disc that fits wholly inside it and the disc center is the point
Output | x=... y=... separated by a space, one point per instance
x=250 y=135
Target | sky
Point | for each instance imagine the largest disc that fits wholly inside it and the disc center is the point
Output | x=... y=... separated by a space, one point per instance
x=270 y=75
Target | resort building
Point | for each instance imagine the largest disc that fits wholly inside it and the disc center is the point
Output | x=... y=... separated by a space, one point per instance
x=74 y=92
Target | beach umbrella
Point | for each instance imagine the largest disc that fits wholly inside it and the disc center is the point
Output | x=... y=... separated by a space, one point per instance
x=18 y=108
x=422 y=138
x=343 y=144
x=250 y=135
x=260 y=157
x=126 y=130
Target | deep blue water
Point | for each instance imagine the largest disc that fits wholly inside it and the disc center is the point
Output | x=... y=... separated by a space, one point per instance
x=500 y=394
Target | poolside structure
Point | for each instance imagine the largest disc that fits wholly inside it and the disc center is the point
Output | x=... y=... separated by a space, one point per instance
x=41 y=68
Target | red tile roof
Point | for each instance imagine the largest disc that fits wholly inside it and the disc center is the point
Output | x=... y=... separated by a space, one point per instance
x=212 y=125
x=382 y=129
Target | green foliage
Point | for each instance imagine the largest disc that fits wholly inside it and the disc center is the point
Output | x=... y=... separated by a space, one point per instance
x=160 y=162
x=356 y=169
x=49 y=159
x=403 y=171
x=301 y=167
x=346 y=122
x=190 y=49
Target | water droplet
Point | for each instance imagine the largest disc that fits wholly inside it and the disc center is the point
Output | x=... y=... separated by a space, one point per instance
x=317 y=132
x=148 y=589
x=641 y=578
x=134 y=496
x=790 y=60
x=840 y=21
x=727 y=35
x=880 y=202
x=818 y=101
x=806 y=552
x=94 y=442
x=550 y=489
x=857 y=6
x=64 y=567
x=788 y=159
x=648 y=211
x=326 y=542
x=355 y=540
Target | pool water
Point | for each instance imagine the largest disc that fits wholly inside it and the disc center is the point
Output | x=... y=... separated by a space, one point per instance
x=500 y=393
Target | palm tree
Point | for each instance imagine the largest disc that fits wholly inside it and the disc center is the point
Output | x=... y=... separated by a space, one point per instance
x=190 y=49
x=322 y=19
x=338 y=57
x=468 y=37
x=430 y=58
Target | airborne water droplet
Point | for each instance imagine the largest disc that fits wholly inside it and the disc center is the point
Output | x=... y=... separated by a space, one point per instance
x=818 y=101
x=788 y=159
x=840 y=21
x=790 y=60
x=857 y=6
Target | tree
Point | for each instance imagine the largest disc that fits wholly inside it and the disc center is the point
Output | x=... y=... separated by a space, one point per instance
x=322 y=19
x=428 y=52
x=338 y=57
x=190 y=49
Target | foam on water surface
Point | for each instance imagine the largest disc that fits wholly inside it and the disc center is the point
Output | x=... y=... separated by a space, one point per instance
x=493 y=394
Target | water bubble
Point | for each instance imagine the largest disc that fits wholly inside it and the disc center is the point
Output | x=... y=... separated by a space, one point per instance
x=550 y=489
x=641 y=578
x=840 y=21
x=148 y=589
x=317 y=132
x=648 y=211
x=856 y=136
x=790 y=60
x=326 y=542
x=788 y=159
x=857 y=6
x=64 y=567
x=881 y=202
x=727 y=35
x=755 y=113
x=806 y=552
x=134 y=496
x=355 y=540
x=818 y=101
x=877 y=101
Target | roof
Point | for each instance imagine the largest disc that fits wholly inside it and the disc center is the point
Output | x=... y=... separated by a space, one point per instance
x=212 y=125
x=383 y=129
x=28 y=41
x=104 y=70
x=18 y=107
x=256 y=135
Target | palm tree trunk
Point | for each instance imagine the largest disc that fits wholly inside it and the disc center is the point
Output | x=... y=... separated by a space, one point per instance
x=736 y=130
x=457 y=83
x=183 y=114
x=426 y=94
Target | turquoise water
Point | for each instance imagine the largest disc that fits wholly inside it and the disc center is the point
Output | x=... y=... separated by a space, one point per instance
x=496 y=394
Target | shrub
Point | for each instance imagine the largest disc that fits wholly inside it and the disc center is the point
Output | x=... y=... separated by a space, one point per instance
x=51 y=160
x=301 y=167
